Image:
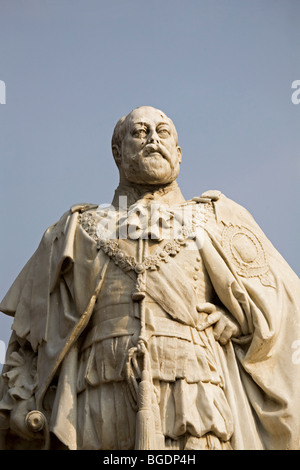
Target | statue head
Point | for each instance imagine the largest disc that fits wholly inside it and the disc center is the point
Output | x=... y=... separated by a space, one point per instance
x=145 y=147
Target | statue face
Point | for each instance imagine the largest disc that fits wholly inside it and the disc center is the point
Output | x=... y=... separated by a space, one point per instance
x=149 y=153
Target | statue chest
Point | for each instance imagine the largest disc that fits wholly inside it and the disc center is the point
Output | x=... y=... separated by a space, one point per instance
x=119 y=284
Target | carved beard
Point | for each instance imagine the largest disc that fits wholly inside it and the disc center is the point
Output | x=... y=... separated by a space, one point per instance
x=151 y=169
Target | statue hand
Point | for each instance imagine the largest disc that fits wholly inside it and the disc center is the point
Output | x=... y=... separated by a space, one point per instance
x=225 y=326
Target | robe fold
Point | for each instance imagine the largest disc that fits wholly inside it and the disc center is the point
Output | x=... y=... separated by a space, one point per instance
x=53 y=298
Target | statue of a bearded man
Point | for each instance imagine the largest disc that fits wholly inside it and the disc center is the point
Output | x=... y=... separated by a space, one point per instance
x=154 y=322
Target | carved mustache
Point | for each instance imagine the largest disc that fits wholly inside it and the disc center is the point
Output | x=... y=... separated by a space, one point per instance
x=154 y=148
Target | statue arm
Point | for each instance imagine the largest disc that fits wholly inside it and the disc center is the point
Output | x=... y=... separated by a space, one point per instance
x=27 y=301
x=18 y=382
x=261 y=292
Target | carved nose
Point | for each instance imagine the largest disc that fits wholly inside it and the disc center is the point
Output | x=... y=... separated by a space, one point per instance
x=153 y=137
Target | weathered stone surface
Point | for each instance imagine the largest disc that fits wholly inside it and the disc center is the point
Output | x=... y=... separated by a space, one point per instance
x=153 y=322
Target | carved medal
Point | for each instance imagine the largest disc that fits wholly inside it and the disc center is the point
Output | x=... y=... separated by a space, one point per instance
x=245 y=251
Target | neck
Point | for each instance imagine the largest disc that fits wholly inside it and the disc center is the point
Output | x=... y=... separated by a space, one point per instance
x=169 y=194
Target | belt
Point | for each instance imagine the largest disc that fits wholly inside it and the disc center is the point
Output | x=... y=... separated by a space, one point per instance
x=128 y=326
x=122 y=326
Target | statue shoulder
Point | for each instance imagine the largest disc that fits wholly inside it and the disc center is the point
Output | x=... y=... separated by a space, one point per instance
x=60 y=227
x=83 y=207
x=211 y=195
x=226 y=210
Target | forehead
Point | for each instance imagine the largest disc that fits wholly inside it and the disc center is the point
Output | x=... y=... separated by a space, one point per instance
x=147 y=115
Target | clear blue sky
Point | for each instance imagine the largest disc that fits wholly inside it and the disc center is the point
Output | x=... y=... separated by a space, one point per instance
x=222 y=70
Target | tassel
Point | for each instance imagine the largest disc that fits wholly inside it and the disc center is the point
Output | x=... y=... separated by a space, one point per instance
x=145 y=424
x=159 y=438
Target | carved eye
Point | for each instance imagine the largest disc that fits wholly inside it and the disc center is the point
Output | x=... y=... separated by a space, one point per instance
x=163 y=132
x=140 y=133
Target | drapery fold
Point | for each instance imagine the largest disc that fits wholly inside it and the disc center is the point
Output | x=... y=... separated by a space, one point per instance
x=53 y=298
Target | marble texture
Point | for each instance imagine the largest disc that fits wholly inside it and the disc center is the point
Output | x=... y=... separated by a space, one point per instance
x=153 y=322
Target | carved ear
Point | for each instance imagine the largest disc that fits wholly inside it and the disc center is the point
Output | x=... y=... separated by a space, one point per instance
x=117 y=154
x=179 y=153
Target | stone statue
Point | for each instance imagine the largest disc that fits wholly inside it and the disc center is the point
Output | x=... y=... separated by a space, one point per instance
x=153 y=322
